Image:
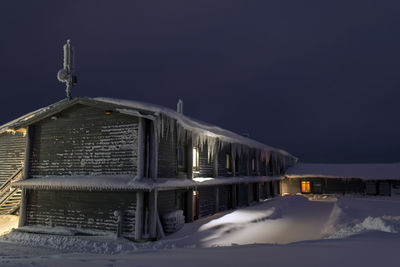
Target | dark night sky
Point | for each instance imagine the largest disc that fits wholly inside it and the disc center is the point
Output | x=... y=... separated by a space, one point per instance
x=320 y=79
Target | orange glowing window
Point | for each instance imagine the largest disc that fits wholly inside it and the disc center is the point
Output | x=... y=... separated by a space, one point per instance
x=305 y=187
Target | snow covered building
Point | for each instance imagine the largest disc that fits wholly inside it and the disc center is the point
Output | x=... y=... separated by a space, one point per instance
x=105 y=165
x=370 y=179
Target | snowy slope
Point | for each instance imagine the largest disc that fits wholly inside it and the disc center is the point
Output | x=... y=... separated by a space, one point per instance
x=344 y=232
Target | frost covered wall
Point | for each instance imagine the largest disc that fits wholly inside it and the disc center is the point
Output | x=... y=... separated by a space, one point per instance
x=207 y=200
x=12 y=151
x=225 y=197
x=168 y=201
x=206 y=165
x=82 y=210
x=84 y=140
x=222 y=170
x=167 y=156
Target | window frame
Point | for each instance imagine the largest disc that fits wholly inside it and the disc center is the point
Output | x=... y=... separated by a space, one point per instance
x=196 y=159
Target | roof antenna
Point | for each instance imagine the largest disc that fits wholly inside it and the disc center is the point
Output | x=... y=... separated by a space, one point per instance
x=65 y=75
x=179 y=106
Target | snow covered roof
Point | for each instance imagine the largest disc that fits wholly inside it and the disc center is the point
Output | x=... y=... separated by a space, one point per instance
x=150 y=111
x=192 y=124
x=114 y=183
x=378 y=171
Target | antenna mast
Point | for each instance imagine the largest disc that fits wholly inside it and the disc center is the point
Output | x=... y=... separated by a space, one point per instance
x=65 y=75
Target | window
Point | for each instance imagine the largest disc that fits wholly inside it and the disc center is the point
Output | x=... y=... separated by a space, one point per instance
x=253 y=165
x=228 y=164
x=181 y=158
x=305 y=187
x=237 y=165
x=196 y=158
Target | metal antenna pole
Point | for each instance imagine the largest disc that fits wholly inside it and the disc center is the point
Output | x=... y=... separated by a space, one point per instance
x=65 y=75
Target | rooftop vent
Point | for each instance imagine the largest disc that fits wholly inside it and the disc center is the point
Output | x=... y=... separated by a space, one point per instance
x=179 y=106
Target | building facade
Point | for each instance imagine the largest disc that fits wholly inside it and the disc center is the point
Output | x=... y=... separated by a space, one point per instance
x=364 y=179
x=105 y=166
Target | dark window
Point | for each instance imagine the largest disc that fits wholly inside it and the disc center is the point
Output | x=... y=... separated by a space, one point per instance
x=237 y=165
x=181 y=155
x=253 y=165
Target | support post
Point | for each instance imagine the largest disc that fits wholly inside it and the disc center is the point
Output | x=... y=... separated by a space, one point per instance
x=190 y=159
x=142 y=148
x=247 y=191
x=216 y=152
x=216 y=193
x=24 y=195
x=189 y=206
x=248 y=165
x=234 y=196
x=139 y=215
x=153 y=151
x=153 y=214
x=233 y=165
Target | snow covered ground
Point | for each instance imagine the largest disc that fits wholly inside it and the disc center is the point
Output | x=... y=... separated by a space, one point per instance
x=287 y=231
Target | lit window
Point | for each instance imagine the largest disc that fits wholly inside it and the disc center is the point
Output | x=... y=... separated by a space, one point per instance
x=228 y=164
x=195 y=159
x=305 y=187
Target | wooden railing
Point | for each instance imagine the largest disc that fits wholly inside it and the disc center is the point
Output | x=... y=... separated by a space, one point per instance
x=6 y=190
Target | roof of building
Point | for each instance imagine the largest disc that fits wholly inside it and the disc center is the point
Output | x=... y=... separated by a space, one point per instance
x=378 y=171
x=126 y=183
x=135 y=108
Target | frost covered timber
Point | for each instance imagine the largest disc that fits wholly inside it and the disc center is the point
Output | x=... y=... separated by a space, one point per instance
x=127 y=183
x=169 y=123
x=206 y=135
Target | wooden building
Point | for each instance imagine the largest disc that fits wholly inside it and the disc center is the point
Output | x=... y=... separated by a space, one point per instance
x=103 y=165
x=366 y=179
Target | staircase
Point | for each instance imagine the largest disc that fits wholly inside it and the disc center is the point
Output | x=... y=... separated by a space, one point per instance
x=10 y=198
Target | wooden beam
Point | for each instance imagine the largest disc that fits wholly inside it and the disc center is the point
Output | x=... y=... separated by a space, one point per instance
x=24 y=194
x=234 y=196
x=141 y=148
x=189 y=159
x=153 y=164
x=153 y=214
x=216 y=152
x=189 y=206
x=216 y=193
x=139 y=215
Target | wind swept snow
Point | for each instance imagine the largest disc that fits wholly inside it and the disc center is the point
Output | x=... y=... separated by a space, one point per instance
x=288 y=231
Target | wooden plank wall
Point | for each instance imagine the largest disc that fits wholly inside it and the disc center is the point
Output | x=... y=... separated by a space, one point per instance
x=206 y=168
x=223 y=192
x=242 y=162
x=222 y=171
x=166 y=202
x=84 y=140
x=78 y=209
x=206 y=200
x=225 y=197
x=242 y=196
x=167 y=157
x=12 y=152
